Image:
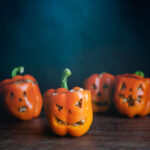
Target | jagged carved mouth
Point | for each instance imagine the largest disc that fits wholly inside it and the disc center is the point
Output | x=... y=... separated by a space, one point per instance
x=130 y=100
x=105 y=103
x=65 y=123
x=22 y=109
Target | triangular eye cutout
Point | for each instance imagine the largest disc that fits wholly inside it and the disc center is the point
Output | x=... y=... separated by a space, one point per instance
x=59 y=107
x=24 y=94
x=79 y=103
x=105 y=86
x=122 y=96
x=139 y=98
x=69 y=111
x=140 y=87
x=130 y=101
x=123 y=87
x=11 y=95
x=94 y=86
x=99 y=94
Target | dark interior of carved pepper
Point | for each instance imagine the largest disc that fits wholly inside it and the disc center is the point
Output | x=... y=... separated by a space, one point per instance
x=105 y=86
x=11 y=95
x=130 y=100
x=123 y=87
x=99 y=94
x=79 y=103
x=24 y=94
x=140 y=87
x=94 y=86
x=59 y=108
x=22 y=109
x=81 y=122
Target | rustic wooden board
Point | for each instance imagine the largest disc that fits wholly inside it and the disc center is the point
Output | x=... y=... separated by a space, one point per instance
x=107 y=132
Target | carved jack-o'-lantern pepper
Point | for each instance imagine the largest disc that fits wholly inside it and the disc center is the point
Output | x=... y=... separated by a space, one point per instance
x=68 y=112
x=21 y=95
x=101 y=87
x=130 y=97
x=146 y=109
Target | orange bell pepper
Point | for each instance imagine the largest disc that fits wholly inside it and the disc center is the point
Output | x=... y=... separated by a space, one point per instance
x=131 y=94
x=146 y=109
x=68 y=111
x=21 y=95
x=101 y=87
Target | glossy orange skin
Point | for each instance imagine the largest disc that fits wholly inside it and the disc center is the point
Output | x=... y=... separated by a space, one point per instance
x=17 y=93
x=146 y=110
x=70 y=113
x=132 y=83
x=99 y=80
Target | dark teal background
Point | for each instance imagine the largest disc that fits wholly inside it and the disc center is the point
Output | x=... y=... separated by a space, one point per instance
x=87 y=36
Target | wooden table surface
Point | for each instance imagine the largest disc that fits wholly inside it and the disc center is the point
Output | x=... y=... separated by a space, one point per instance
x=107 y=132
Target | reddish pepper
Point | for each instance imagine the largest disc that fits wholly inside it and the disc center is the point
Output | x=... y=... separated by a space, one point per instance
x=21 y=95
x=101 y=87
x=68 y=112
x=131 y=94
x=146 y=109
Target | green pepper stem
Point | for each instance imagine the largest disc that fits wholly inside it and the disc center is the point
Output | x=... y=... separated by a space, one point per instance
x=139 y=73
x=63 y=82
x=17 y=70
x=101 y=73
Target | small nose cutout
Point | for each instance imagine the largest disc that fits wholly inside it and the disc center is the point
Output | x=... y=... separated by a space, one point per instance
x=20 y=99
x=99 y=94
x=69 y=111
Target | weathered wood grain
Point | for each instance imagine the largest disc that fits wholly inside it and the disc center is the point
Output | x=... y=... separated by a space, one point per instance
x=107 y=132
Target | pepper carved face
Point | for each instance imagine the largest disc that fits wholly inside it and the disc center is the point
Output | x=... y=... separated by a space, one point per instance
x=69 y=112
x=20 y=100
x=130 y=95
x=21 y=95
x=101 y=87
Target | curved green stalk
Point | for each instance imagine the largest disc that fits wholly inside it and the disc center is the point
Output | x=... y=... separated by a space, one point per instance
x=139 y=73
x=17 y=70
x=101 y=73
x=63 y=82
